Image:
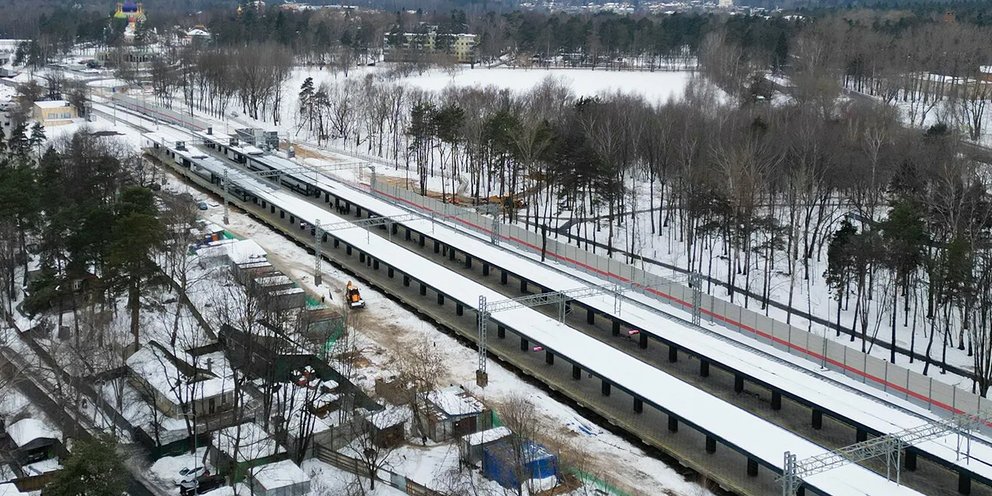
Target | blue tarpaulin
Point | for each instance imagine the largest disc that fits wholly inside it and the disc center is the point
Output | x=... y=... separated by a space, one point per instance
x=500 y=464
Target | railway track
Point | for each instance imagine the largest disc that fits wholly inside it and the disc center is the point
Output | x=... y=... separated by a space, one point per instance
x=723 y=386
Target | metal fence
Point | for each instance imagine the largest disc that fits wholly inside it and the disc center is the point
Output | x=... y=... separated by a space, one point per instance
x=938 y=397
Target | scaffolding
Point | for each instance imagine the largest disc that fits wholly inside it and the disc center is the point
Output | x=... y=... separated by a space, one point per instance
x=889 y=446
x=558 y=298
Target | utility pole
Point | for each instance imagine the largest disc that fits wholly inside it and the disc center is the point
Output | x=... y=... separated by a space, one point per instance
x=227 y=198
x=317 y=239
x=696 y=282
x=481 y=376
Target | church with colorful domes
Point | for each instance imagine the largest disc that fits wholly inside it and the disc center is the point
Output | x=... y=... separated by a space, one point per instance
x=134 y=13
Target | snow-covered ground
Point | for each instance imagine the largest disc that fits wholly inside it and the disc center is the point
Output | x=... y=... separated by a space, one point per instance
x=387 y=331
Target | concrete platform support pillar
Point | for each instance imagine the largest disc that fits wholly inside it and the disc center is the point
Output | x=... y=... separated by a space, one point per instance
x=638 y=405
x=422 y=241
x=524 y=344
x=468 y=261
x=752 y=467
x=500 y=332
x=964 y=483
x=642 y=340
x=576 y=372
x=361 y=257
x=423 y=289
x=710 y=444
x=459 y=309
x=673 y=353
x=502 y=277
x=909 y=460
x=616 y=328
x=673 y=424
x=738 y=383
x=406 y=281
x=437 y=246
x=776 y=400
x=347 y=250
x=451 y=253
x=606 y=387
x=861 y=436
x=704 y=368
x=408 y=235
x=375 y=265
x=590 y=316
x=549 y=358
x=358 y=211
x=523 y=286
x=390 y=272
x=337 y=242
x=817 y=419
x=440 y=299
x=485 y=269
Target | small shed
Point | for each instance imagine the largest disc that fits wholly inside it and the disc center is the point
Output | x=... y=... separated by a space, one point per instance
x=454 y=412
x=500 y=463
x=471 y=446
x=237 y=449
x=285 y=299
x=388 y=426
x=35 y=441
x=282 y=478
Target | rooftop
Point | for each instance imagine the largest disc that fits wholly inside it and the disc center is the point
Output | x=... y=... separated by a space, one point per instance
x=161 y=370
x=279 y=474
x=487 y=436
x=52 y=104
x=249 y=441
x=26 y=430
x=390 y=416
x=455 y=401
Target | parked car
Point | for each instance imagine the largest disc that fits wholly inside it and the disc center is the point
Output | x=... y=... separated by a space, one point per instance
x=200 y=485
x=202 y=205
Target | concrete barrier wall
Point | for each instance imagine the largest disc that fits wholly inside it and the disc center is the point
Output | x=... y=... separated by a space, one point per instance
x=940 y=398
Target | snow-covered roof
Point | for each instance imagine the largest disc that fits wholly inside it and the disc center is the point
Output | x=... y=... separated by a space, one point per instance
x=237 y=251
x=390 y=416
x=159 y=370
x=286 y=292
x=52 y=104
x=455 y=401
x=487 y=436
x=279 y=474
x=26 y=430
x=42 y=467
x=276 y=280
x=250 y=441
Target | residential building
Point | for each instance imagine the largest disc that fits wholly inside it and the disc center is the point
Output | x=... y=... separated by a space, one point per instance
x=404 y=46
x=204 y=380
x=54 y=113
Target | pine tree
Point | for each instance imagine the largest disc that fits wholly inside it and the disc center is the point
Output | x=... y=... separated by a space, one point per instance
x=94 y=468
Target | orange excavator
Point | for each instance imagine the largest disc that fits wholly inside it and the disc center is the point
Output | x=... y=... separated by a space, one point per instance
x=353 y=296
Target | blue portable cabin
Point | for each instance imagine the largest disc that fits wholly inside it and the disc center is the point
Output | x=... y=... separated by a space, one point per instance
x=498 y=463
